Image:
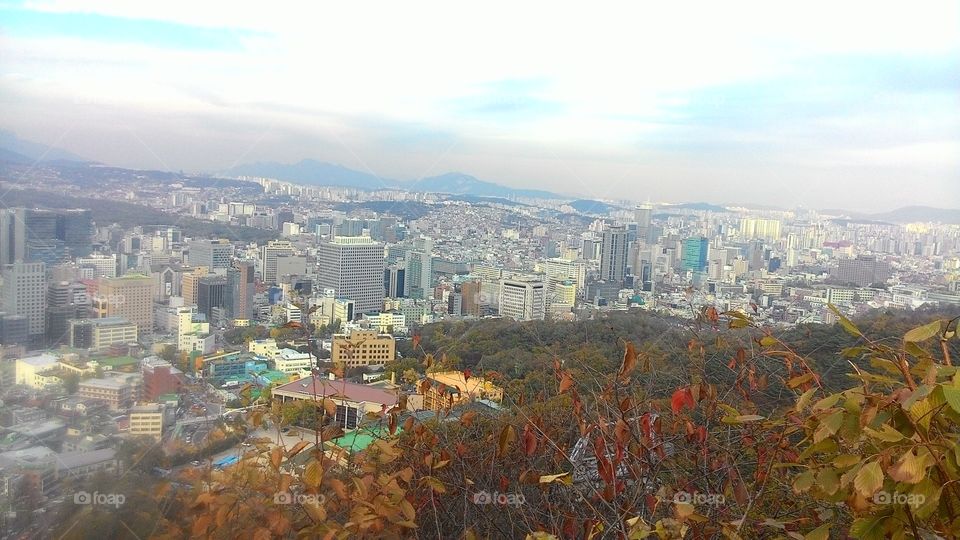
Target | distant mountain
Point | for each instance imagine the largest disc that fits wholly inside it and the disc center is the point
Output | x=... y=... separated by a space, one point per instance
x=319 y=173
x=315 y=173
x=12 y=157
x=699 y=206
x=587 y=206
x=907 y=214
x=31 y=150
x=457 y=183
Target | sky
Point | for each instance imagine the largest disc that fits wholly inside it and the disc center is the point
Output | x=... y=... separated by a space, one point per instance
x=852 y=104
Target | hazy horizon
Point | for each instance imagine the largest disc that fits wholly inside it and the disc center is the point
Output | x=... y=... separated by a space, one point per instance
x=849 y=106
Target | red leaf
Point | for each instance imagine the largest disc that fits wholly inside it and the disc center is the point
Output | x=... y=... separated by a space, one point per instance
x=529 y=441
x=416 y=341
x=683 y=397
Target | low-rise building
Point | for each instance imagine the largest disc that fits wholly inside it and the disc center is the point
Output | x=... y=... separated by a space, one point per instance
x=352 y=400
x=452 y=387
x=292 y=361
x=147 y=420
x=363 y=348
x=116 y=392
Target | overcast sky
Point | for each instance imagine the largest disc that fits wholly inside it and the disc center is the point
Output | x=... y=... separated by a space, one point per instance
x=826 y=104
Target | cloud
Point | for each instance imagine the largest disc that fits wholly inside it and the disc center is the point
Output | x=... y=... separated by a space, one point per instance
x=536 y=94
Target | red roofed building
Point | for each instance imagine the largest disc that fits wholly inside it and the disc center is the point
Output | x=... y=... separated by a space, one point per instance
x=353 y=400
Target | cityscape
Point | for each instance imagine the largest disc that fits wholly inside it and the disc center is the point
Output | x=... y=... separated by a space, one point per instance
x=290 y=344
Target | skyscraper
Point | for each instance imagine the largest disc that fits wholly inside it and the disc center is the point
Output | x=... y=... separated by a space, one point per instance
x=418 y=273
x=25 y=293
x=644 y=216
x=864 y=270
x=613 y=255
x=130 y=297
x=353 y=267
x=695 y=254
x=214 y=254
x=523 y=299
x=212 y=293
x=268 y=259
x=241 y=277
x=42 y=235
x=394 y=281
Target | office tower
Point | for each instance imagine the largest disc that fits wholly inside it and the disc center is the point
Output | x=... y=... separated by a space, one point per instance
x=644 y=216
x=290 y=265
x=613 y=255
x=242 y=286
x=212 y=293
x=75 y=228
x=14 y=329
x=523 y=299
x=100 y=265
x=25 y=293
x=394 y=281
x=40 y=235
x=863 y=271
x=65 y=301
x=470 y=294
x=191 y=276
x=350 y=227
x=755 y=255
x=268 y=259
x=695 y=254
x=129 y=297
x=418 y=274
x=214 y=254
x=353 y=267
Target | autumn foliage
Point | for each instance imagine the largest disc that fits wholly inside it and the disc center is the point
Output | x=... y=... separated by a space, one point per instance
x=750 y=445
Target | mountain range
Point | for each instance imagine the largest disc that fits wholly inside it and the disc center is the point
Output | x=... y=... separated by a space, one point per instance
x=19 y=151
x=320 y=173
x=16 y=150
x=906 y=214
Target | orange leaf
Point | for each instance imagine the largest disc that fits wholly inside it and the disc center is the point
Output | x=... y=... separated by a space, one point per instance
x=629 y=361
x=507 y=436
x=529 y=441
x=566 y=381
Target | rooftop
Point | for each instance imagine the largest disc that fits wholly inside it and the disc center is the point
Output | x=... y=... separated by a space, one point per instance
x=337 y=389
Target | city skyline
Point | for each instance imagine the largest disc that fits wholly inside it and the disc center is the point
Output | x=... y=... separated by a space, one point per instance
x=740 y=103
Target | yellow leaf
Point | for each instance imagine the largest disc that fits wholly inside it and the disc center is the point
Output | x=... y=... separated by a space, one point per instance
x=869 y=479
x=563 y=478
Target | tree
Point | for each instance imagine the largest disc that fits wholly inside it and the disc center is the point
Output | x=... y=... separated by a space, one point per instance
x=71 y=382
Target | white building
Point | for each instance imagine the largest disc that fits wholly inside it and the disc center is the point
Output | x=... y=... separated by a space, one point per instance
x=523 y=299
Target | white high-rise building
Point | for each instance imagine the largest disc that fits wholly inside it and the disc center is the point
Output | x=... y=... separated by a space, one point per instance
x=523 y=299
x=216 y=255
x=25 y=293
x=268 y=259
x=353 y=267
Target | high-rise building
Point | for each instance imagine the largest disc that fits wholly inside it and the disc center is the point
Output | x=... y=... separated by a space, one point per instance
x=766 y=229
x=130 y=297
x=216 y=255
x=523 y=299
x=241 y=278
x=191 y=277
x=41 y=235
x=353 y=267
x=25 y=293
x=613 y=255
x=212 y=293
x=394 y=281
x=644 y=216
x=65 y=301
x=695 y=254
x=101 y=265
x=268 y=259
x=862 y=271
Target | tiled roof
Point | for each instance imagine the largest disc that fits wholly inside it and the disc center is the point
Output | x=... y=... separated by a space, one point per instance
x=339 y=388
